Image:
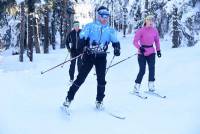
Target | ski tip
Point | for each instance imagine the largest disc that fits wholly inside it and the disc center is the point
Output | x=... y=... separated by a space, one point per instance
x=121 y=118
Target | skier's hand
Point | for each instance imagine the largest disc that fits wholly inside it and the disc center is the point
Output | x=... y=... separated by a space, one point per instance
x=116 y=47
x=94 y=43
x=142 y=50
x=158 y=54
x=116 y=51
x=87 y=51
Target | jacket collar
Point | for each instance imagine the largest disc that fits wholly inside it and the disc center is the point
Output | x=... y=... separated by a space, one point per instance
x=99 y=23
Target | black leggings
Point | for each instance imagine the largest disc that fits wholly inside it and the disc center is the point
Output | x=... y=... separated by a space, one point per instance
x=73 y=64
x=142 y=67
x=88 y=62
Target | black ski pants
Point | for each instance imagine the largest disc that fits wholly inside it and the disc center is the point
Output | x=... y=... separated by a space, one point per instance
x=142 y=67
x=88 y=62
x=73 y=64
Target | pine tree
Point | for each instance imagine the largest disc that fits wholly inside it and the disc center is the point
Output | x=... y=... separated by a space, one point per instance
x=36 y=33
x=46 y=29
x=176 y=39
x=136 y=14
x=53 y=26
x=22 y=32
x=31 y=9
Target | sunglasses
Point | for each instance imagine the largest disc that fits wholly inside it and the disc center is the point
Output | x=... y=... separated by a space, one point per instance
x=104 y=14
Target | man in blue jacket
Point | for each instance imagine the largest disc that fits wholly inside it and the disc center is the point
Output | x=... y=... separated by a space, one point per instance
x=95 y=37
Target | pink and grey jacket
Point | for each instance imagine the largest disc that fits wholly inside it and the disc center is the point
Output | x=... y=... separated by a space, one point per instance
x=146 y=37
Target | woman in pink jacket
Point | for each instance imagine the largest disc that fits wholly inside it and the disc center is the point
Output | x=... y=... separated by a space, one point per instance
x=144 y=41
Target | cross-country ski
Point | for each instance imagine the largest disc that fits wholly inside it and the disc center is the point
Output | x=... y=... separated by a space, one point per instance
x=155 y=94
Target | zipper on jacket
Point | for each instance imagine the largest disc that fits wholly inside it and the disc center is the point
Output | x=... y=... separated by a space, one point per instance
x=76 y=41
x=100 y=35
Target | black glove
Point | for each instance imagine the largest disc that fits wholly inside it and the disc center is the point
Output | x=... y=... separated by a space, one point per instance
x=116 y=51
x=94 y=43
x=116 y=47
x=142 y=50
x=158 y=54
x=87 y=51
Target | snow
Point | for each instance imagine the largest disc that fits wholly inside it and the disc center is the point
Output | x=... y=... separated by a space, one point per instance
x=19 y=1
x=83 y=12
x=30 y=101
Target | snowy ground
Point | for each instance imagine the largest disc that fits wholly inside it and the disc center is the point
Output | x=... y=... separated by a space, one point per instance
x=30 y=101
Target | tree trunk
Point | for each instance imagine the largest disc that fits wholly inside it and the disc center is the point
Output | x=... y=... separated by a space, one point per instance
x=36 y=35
x=30 y=36
x=22 y=32
x=30 y=29
x=176 y=32
x=146 y=7
x=46 y=35
x=53 y=29
x=125 y=11
x=64 y=24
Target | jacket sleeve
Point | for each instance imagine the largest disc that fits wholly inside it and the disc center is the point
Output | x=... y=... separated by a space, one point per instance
x=113 y=36
x=68 y=40
x=157 y=41
x=137 y=39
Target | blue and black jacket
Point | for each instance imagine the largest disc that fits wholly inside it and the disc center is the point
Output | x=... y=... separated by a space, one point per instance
x=99 y=36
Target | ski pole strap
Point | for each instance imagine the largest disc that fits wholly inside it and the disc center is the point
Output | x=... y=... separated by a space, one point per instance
x=61 y=64
x=122 y=60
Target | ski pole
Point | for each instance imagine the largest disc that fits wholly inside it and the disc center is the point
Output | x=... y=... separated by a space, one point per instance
x=61 y=64
x=121 y=61
x=110 y=63
x=65 y=59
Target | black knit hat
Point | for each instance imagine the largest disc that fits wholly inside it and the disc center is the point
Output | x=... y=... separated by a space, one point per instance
x=102 y=8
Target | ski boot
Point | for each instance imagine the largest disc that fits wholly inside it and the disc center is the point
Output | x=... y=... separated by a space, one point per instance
x=99 y=105
x=65 y=106
x=151 y=86
x=136 y=89
x=66 y=103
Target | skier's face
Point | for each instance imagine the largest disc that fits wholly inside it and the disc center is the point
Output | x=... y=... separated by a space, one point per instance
x=76 y=28
x=149 y=22
x=103 y=16
x=104 y=20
